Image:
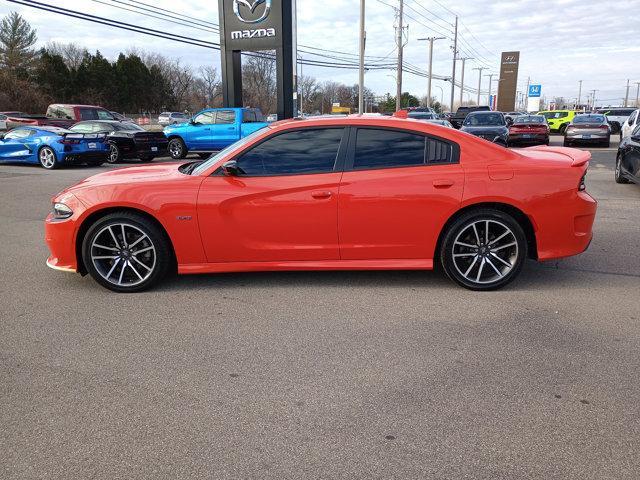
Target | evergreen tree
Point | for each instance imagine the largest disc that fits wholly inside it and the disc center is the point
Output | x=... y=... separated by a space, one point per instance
x=16 y=39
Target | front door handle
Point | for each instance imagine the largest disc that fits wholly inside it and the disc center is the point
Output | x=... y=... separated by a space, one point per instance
x=443 y=183
x=231 y=128
x=321 y=194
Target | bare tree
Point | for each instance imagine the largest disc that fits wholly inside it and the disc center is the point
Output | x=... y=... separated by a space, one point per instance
x=70 y=53
x=208 y=85
x=259 y=83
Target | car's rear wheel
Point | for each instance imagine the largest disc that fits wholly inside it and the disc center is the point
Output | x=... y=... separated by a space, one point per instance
x=114 y=153
x=562 y=129
x=618 y=171
x=47 y=158
x=204 y=156
x=483 y=249
x=607 y=143
x=125 y=252
x=177 y=148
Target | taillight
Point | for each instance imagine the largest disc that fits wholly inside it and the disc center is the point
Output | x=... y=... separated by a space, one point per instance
x=66 y=141
x=603 y=127
x=582 y=186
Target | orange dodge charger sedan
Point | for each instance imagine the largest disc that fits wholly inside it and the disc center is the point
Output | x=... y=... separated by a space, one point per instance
x=350 y=193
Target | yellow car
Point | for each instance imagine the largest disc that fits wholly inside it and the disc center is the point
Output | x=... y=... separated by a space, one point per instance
x=558 y=119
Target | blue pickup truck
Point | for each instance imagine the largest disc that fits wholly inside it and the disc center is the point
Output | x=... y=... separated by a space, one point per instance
x=211 y=130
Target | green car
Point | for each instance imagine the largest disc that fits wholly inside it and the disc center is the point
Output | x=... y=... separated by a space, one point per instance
x=558 y=119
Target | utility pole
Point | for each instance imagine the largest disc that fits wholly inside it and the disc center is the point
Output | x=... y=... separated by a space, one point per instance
x=593 y=99
x=490 y=75
x=637 y=94
x=363 y=38
x=579 y=92
x=431 y=40
x=399 y=42
x=479 y=81
x=455 y=55
x=464 y=59
x=626 y=97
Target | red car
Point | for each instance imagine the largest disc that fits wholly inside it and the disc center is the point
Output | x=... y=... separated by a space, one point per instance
x=529 y=130
x=350 y=193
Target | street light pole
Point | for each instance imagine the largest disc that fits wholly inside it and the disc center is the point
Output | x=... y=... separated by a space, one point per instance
x=626 y=97
x=455 y=55
x=361 y=67
x=431 y=40
x=479 y=80
x=579 y=93
x=637 y=94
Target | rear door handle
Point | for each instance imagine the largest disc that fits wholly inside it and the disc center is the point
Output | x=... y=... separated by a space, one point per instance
x=231 y=128
x=443 y=183
x=321 y=194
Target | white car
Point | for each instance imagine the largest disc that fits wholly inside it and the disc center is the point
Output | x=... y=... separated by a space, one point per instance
x=630 y=124
x=171 y=118
x=3 y=122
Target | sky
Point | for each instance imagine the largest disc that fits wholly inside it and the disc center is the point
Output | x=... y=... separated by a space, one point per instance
x=560 y=41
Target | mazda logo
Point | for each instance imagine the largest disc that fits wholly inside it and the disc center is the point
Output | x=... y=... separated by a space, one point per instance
x=250 y=7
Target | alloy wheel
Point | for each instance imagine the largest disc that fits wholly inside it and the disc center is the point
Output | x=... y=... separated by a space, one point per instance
x=175 y=148
x=485 y=251
x=123 y=254
x=47 y=158
x=114 y=153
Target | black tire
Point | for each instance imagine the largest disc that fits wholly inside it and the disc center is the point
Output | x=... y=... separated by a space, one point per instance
x=607 y=143
x=47 y=158
x=562 y=129
x=619 y=177
x=565 y=143
x=107 y=272
x=115 y=155
x=474 y=259
x=177 y=149
x=615 y=127
x=204 y=156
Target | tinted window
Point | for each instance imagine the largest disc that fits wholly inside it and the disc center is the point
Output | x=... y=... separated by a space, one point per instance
x=421 y=115
x=388 y=148
x=297 y=152
x=248 y=116
x=3 y=117
x=205 y=118
x=128 y=126
x=225 y=116
x=530 y=119
x=105 y=115
x=589 y=119
x=484 y=119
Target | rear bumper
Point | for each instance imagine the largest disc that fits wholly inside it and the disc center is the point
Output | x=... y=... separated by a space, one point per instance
x=569 y=231
x=73 y=158
x=532 y=138
x=593 y=138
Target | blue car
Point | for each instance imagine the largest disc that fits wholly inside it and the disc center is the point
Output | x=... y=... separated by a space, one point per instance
x=52 y=147
x=211 y=130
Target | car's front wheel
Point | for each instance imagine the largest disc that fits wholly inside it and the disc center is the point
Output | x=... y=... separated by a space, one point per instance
x=177 y=148
x=125 y=252
x=618 y=171
x=47 y=158
x=483 y=249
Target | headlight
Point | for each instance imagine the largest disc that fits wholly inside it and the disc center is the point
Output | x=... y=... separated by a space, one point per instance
x=61 y=211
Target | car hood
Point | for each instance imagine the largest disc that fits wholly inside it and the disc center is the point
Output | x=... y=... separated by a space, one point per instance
x=495 y=129
x=131 y=176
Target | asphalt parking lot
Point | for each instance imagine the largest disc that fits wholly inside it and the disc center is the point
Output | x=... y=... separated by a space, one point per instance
x=325 y=374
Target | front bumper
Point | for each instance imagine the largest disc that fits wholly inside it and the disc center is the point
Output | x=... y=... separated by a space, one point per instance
x=60 y=235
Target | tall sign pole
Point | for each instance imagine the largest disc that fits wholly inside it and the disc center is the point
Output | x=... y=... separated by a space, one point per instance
x=508 y=81
x=455 y=54
x=361 y=72
x=265 y=25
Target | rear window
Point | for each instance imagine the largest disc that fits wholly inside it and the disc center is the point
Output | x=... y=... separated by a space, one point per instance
x=484 y=120
x=589 y=119
x=128 y=127
x=421 y=115
x=61 y=111
x=94 y=114
x=529 y=119
x=616 y=112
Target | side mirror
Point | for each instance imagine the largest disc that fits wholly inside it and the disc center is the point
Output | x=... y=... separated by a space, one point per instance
x=2 y=134
x=231 y=169
x=635 y=138
x=509 y=121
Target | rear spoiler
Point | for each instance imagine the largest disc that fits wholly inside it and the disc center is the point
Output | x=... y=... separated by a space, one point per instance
x=84 y=136
x=578 y=157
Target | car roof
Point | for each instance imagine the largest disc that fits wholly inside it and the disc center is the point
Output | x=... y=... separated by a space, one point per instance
x=44 y=128
x=98 y=121
x=78 y=105
x=357 y=120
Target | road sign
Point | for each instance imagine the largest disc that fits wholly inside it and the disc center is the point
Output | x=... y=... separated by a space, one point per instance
x=535 y=90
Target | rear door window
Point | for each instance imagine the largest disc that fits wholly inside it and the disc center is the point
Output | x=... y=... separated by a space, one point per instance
x=225 y=116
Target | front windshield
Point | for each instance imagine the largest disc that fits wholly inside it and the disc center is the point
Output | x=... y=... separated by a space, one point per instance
x=230 y=149
x=484 y=120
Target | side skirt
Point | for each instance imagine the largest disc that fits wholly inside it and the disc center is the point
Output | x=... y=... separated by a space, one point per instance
x=393 y=264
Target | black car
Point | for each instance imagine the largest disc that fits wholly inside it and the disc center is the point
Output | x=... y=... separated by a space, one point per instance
x=628 y=159
x=488 y=125
x=126 y=140
x=457 y=119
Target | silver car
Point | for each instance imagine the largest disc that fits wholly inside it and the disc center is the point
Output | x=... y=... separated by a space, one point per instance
x=589 y=128
x=171 y=118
